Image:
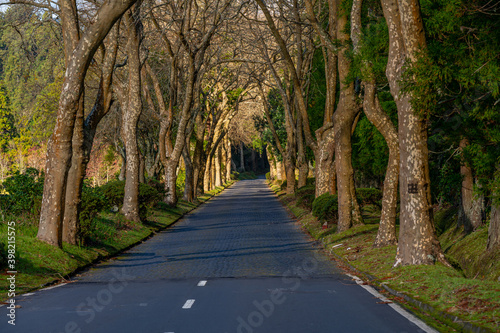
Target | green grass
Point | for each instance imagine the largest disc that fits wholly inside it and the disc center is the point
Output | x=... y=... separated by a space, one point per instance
x=39 y=264
x=471 y=292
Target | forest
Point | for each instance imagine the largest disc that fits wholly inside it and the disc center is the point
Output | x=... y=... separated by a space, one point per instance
x=127 y=105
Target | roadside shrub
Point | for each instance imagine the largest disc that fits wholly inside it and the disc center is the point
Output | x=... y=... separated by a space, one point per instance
x=247 y=175
x=305 y=197
x=156 y=184
x=311 y=181
x=369 y=196
x=114 y=191
x=325 y=208
x=283 y=185
x=235 y=175
x=93 y=202
x=25 y=191
x=268 y=175
x=148 y=196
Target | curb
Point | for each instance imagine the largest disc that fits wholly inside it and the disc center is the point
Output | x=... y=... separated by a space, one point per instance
x=426 y=308
x=463 y=325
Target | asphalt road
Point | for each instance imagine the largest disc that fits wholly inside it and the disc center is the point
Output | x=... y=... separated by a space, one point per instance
x=236 y=264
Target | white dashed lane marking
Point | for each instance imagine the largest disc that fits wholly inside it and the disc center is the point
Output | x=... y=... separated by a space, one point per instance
x=202 y=283
x=189 y=303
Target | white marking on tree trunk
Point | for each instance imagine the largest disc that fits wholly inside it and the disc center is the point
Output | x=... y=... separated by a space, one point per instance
x=423 y=326
x=202 y=283
x=189 y=303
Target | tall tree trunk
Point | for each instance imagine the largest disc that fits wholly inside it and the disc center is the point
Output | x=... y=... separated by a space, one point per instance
x=494 y=227
x=189 y=183
x=242 y=157
x=229 y=159
x=386 y=234
x=207 y=175
x=83 y=139
x=173 y=160
x=387 y=227
x=76 y=174
x=273 y=173
x=418 y=243
x=325 y=161
x=131 y=114
x=470 y=213
x=344 y=117
x=324 y=152
x=301 y=156
x=70 y=225
x=218 y=169
x=59 y=147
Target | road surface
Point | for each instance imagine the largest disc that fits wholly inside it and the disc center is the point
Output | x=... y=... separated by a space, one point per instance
x=236 y=264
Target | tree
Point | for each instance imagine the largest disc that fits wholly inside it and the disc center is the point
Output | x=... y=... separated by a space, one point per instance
x=386 y=234
x=418 y=243
x=59 y=145
x=131 y=112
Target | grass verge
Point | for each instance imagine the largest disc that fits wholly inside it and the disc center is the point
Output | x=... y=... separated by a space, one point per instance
x=39 y=264
x=460 y=299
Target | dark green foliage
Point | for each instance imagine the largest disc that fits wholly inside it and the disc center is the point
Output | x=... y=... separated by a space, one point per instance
x=114 y=191
x=305 y=196
x=369 y=196
x=277 y=112
x=148 y=196
x=370 y=151
x=247 y=175
x=283 y=185
x=181 y=181
x=458 y=91
x=3 y=255
x=159 y=186
x=25 y=192
x=311 y=181
x=93 y=202
x=326 y=207
x=235 y=175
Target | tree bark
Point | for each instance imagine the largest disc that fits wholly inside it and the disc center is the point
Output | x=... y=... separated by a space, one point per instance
x=301 y=155
x=131 y=114
x=83 y=139
x=218 y=169
x=229 y=158
x=494 y=227
x=59 y=145
x=70 y=225
x=189 y=183
x=242 y=158
x=418 y=243
x=387 y=227
x=344 y=117
x=471 y=205
x=324 y=151
x=386 y=234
